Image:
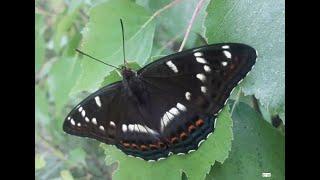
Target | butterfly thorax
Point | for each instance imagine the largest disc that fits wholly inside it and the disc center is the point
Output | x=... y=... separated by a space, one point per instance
x=133 y=86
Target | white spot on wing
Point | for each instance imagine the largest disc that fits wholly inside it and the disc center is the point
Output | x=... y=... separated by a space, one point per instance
x=167 y=117
x=131 y=127
x=201 y=77
x=101 y=128
x=83 y=113
x=172 y=66
x=86 y=119
x=124 y=128
x=80 y=109
x=112 y=124
x=94 y=121
x=149 y=130
x=192 y=150
x=174 y=111
x=206 y=68
x=138 y=128
x=197 y=54
x=188 y=95
x=224 y=63
x=203 y=89
x=69 y=118
x=72 y=122
x=79 y=124
x=181 y=107
x=227 y=54
x=201 y=60
x=225 y=47
x=98 y=102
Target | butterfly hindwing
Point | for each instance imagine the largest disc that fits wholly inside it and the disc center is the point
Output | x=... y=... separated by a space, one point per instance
x=169 y=106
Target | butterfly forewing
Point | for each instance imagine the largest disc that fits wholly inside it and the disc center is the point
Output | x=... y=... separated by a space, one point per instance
x=170 y=107
x=95 y=117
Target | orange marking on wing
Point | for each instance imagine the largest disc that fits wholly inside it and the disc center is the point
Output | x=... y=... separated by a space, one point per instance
x=174 y=140
x=199 y=122
x=134 y=146
x=143 y=147
x=183 y=136
x=154 y=146
x=191 y=128
x=126 y=145
x=161 y=144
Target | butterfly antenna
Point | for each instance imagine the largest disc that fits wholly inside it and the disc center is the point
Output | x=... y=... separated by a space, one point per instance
x=85 y=54
x=123 y=46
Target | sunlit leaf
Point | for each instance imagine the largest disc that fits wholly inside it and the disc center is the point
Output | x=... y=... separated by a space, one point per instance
x=258 y=23
x=257 y=148
x=195 y=165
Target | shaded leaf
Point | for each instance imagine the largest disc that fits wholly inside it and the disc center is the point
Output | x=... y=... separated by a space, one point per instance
x=257 y=148
x=39 y=162
x=262 y=27
x=63 y=75
x=39 y=42
x=173 y=22
x=195 y=165
x=102 y=39
x=66 y=175
x=64 y=25
x=77 y=155
x=41 y=106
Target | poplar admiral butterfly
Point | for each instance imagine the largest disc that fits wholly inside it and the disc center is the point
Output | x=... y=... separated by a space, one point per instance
x=168 y=106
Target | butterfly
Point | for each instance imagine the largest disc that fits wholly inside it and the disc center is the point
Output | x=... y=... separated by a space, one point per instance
x=167 y=107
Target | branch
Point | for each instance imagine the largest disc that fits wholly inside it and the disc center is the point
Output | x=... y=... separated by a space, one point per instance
x=194 y=15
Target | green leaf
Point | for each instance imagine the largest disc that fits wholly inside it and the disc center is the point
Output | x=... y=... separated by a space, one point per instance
x=73 y=44
x=41 y=106
x=257 y=148
x=77 y=155
x=102 y=39
x=63 y=75
x=173 y=22
x=195 y=165
x=39 y=162
x=66 y=175
x=39 y=42
x=64 y=25
x=258 y=23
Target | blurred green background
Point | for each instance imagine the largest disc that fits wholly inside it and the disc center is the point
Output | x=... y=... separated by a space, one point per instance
x=154 y=29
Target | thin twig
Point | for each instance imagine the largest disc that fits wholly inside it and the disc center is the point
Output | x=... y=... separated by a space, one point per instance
x=236 y=101
x=170 y=42
x=256 y=106
x=194 y=15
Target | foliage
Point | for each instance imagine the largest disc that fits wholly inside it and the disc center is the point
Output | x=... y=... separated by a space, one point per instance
x=257 y=148
x=154 y=29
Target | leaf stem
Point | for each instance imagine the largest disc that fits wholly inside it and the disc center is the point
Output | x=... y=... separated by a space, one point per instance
x=236 y=101
x=194 y=15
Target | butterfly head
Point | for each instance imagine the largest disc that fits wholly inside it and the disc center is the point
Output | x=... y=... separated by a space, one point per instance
x=127 y=73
